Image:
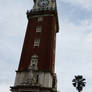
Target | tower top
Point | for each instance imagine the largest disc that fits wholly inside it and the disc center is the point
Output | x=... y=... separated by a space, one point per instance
x=44 y=7
x=44 y=4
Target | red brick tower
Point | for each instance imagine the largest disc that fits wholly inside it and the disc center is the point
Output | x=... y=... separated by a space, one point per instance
x=36 y=68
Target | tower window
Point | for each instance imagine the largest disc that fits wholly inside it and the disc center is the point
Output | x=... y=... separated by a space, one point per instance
x=38 y=29
x=36 y=42
x=34 y=62
x=40 y=18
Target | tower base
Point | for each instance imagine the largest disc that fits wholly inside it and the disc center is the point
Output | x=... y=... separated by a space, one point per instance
x=35 y=81
x=29 y=88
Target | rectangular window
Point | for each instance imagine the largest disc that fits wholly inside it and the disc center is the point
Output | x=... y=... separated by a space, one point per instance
x=38 y=29
x=40 y=18
x=36 y=42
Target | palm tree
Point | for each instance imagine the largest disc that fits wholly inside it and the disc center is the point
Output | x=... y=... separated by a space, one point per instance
x=79 y=82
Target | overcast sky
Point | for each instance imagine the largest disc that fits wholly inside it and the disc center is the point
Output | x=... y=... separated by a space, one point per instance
x=73 y=47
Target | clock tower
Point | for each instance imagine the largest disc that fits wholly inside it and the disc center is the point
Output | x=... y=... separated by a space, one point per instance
x=37 y=63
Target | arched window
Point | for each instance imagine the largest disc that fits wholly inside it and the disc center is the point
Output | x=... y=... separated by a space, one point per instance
x=33 y=62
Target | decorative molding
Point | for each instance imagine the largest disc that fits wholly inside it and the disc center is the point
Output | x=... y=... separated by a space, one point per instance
x=32 y=78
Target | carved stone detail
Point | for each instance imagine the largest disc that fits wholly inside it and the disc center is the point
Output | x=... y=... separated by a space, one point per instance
x=32 y=78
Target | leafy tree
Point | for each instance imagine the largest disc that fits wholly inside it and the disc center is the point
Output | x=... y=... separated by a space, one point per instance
x=79 y=82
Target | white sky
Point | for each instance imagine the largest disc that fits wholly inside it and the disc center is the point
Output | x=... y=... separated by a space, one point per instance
x=73 y=47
